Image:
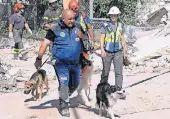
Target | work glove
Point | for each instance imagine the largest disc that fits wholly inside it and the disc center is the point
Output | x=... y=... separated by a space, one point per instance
x=126 y=62
x=38 y=63
x=29 y=30
x=10 y=34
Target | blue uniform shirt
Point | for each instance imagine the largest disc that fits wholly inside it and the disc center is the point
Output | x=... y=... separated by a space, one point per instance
x=66 y=43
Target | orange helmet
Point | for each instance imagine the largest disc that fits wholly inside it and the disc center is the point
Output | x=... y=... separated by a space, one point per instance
x=18 y=6
x=73 y=4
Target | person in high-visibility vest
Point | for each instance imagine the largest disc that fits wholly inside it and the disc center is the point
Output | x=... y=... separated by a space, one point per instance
x=113 y=48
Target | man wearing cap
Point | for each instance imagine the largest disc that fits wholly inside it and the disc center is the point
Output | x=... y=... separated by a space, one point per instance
x=113 y=48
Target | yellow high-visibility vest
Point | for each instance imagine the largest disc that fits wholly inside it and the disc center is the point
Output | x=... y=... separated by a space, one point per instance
x=83 y=24
x=112 y=41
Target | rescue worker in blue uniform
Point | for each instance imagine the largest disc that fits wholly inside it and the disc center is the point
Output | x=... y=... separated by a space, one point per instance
x=66 y=53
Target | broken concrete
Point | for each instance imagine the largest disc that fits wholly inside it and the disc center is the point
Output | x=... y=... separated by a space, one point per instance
x=154 y=18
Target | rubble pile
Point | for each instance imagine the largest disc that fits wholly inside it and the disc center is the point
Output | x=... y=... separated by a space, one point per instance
x=7 y=82
x=6 y=43
x=157 y=65
x=9 y=71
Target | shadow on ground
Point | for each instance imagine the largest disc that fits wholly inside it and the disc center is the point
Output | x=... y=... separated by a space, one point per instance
x=55 y=104
x=96 y=111
x=31 y=99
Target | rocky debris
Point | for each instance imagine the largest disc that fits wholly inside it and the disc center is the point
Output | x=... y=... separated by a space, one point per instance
x=8 y=81
x=6 y=43
x=155 y=17
x=157 y=65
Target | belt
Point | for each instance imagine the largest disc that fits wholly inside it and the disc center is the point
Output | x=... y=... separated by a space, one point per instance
x=17 y=29
x=114 y=51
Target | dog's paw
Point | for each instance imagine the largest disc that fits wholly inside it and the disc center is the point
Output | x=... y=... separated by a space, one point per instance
x=34 y=98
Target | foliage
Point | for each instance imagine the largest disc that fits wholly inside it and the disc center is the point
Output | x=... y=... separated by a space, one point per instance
x=127 y=7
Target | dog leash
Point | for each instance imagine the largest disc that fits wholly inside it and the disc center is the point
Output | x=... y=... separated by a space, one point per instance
x=43 y=63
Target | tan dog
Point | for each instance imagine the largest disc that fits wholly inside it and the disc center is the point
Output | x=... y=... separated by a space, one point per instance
x=36 y=80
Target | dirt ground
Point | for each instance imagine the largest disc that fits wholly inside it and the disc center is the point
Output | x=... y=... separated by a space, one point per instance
x=148 y=97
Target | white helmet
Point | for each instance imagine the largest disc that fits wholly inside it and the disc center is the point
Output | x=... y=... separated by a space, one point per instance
x=51 y=1
x=114 y=10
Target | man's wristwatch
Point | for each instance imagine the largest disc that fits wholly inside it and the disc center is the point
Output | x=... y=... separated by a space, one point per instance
x=38 y=58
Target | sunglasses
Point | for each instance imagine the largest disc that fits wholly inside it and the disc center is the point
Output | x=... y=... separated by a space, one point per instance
x=74 y=9
x=114 y=15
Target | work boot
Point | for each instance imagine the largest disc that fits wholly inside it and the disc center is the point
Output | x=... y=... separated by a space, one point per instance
x=64 y=110
x=83 y=99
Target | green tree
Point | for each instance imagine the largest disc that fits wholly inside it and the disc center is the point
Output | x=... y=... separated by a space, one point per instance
x=127 y=8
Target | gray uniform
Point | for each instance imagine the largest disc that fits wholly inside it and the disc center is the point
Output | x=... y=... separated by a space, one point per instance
x=18 y=26
x=51 y=15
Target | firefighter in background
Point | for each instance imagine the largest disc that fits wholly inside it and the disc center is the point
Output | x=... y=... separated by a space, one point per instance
x=88 y=45
x=17 y=24
x=51 y=15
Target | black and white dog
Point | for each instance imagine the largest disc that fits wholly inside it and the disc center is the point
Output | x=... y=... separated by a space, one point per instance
x=106 y=97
